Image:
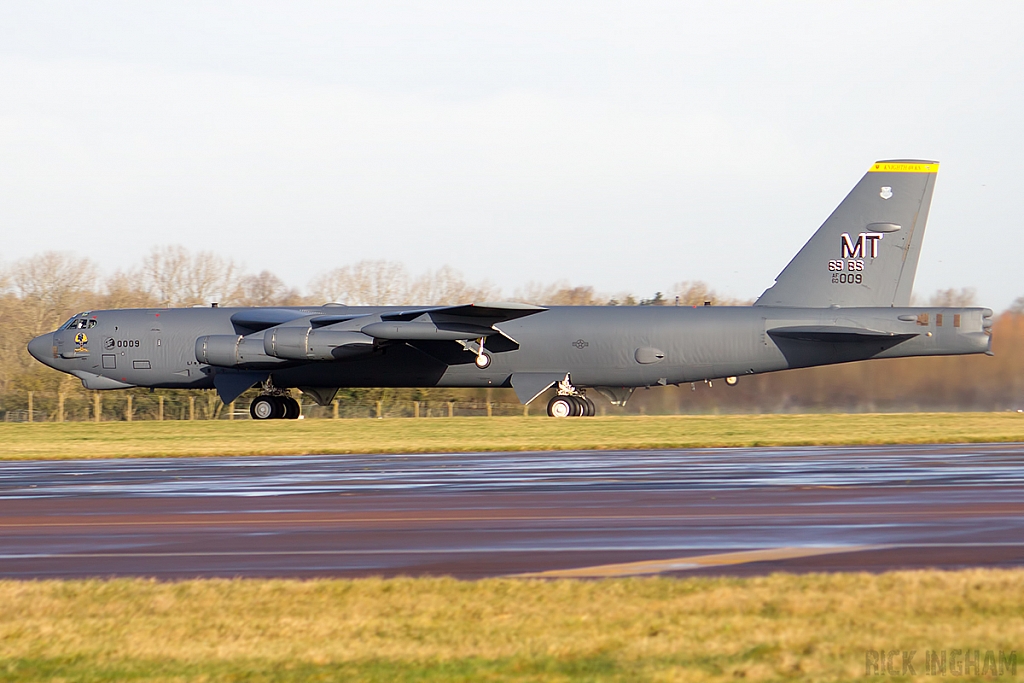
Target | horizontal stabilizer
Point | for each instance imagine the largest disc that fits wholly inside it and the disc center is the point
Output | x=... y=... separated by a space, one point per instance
x=835 y=335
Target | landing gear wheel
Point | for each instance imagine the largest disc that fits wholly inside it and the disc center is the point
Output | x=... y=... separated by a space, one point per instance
x=265 y=408
x=292 y=409
x=579 y=406
x=561 y=406
x=482 y=361
x=591 y=410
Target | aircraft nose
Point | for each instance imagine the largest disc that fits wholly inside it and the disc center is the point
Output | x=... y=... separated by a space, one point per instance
x=41 y=348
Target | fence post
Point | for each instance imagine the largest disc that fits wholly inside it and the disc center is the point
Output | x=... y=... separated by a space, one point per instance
x=30 y=415
x=160 y=408
x=191 y=407
x=489 y=404
x=60 y=407
x=415 y=408
x=97 y=407
x=128 y=409
x=451 y=408
x=526 y=410
x=231 y=410
x=379 y=409
x=334 y=409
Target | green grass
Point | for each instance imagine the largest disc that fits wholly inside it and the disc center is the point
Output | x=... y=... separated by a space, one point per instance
x=807 y=627
x=470 y=434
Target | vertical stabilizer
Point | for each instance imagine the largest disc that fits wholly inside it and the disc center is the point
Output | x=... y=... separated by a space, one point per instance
x=866 y=253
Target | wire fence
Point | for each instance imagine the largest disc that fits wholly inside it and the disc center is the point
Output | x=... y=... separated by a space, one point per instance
x=112 y=407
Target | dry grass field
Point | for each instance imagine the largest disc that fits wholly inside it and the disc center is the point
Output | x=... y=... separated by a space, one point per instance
x=780 y=627
x=474 y=434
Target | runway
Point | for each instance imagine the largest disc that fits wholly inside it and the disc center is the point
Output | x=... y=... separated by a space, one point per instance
x=548 y=514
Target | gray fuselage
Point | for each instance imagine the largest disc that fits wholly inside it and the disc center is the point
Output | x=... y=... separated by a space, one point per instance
x=596 y=346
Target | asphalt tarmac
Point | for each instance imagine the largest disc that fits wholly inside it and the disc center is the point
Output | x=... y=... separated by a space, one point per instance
x=577 y=513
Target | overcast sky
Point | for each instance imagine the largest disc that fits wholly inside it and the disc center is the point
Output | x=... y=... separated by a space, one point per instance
x=623 y=145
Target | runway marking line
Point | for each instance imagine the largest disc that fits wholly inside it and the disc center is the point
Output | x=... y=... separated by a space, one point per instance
x=249 y=520
x=649 y=567
x=674 y=564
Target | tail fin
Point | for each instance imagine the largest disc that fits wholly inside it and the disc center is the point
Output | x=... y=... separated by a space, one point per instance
x=866 y=253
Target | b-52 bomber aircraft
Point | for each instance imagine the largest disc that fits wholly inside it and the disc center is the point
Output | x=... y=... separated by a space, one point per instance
x=844 y=297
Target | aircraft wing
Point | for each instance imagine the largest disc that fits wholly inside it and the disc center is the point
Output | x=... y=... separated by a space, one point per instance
x=485 y=314
x=451 y=323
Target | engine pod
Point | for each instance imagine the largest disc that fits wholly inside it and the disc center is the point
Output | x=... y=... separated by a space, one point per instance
x=305 y=343
x=232 y=351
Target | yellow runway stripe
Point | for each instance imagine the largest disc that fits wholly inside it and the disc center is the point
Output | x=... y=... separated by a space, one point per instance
x=649 y=567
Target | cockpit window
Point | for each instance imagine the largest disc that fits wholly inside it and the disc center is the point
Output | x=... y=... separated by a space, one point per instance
x=92 y=323
x=79 y=322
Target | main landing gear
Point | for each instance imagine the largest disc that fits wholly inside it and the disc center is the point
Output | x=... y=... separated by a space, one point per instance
x=274 y=408
x=570 y=402
x=274 y=404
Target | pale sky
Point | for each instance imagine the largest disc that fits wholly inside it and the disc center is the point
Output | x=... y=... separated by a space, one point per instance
x=624 y=145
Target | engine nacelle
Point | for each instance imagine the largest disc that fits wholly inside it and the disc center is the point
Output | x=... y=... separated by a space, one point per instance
x=232 y=351
x=305 y=343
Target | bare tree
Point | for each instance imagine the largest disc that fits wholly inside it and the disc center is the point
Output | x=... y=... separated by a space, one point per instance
x=558 y=294
x=265 y=289
x=176 y=277
x=693 y=293
x=623 y=299
x=447 y=286
x=696 y=292
x=953 y=298
x=367 y=283
x=122 y=290
x=53 y=285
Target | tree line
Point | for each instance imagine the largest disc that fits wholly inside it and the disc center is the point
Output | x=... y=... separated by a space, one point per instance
x=40 y=292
